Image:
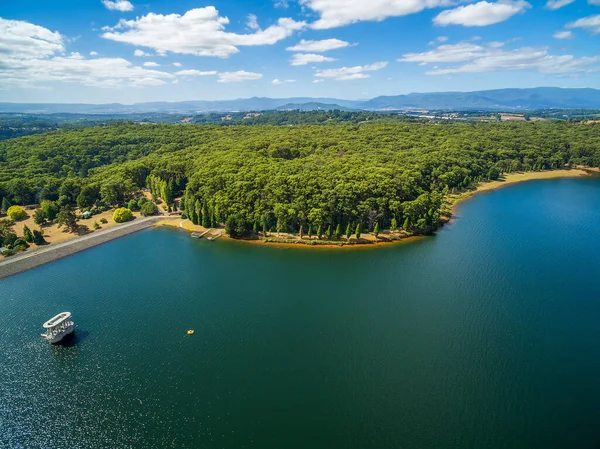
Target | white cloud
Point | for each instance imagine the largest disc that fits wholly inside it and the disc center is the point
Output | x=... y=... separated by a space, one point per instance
x=236 y=77
x=93 y=53
x=478 y=58
x=318 y=46
x=196 y=73
x=253 y=22
x=177 y=64
x=278 y=82
x=141 y=53
x=594 y=2
x=151 y=64
x=198 y=32
x=33 y=55
x=23 y=40
x=442 y=39
x=351 y=73
x=309 y=58
x=281 y=4
x=563 y=35
x=481 y=14
x=591 y=24
x=318 y=81
x=557 y=4
x=118 y=5
x=336 y=13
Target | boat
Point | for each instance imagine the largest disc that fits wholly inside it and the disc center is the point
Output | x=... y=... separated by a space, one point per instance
x=58 y=327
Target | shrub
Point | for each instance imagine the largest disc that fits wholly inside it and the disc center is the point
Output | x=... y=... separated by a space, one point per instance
x=27 y=234
x=96 y=225
x=16 y=213
x=149 y=208
x=143 y=200
x=50 y=209
x=122 y=214
x=103 y=220
x=133 y=205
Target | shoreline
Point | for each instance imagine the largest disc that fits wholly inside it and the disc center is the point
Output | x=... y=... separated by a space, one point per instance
x=517 y=178
x=42 y=255
x=45 y=254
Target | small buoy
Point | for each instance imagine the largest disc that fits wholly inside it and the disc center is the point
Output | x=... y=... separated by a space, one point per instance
x=190 y=332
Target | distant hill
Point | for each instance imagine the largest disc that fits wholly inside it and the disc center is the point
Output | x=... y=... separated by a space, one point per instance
x=314 y=106
x=499 y=99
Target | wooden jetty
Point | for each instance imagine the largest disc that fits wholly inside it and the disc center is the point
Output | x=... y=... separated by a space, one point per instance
x=198 y=235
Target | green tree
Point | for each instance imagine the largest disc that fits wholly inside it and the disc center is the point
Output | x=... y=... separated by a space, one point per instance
x=319 y=232
x=39 y=217
x=50 y=209
x=376 y=230
x=122 y=214
x=394 y=224
x=87 y=197
x=309 y=233
x=132 y=205
x=407 y=226
x=357 y=231
x=27 y=234
x=5 y=204
x=300 y=232
x=6 y=228
x=66 y=217
x=149 y=208
x=338 y=231
x=493 y=173
x=328 y=233
x=205 y=215
x=142 y=201
x=16 y=213
x=348 y=231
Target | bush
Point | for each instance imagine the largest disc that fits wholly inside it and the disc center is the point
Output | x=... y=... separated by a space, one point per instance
x=8 y=252
x=27 y=234
x=16 y=213
x=122 y=214
x=149 y=208
x=96 y=225
x=133 y=205
x=103 y=220
x=143 y=200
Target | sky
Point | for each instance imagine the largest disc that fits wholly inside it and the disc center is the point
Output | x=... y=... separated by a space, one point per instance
x=121 y=51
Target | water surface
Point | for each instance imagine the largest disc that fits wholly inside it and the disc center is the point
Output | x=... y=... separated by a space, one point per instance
x=484 y=336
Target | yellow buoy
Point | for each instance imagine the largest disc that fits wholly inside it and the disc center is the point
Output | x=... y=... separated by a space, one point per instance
x=190 y=332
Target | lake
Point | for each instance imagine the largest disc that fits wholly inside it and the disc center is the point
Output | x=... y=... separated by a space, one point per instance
x=484 y=336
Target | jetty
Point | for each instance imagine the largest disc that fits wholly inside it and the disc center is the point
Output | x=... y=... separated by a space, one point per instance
x=199 y=235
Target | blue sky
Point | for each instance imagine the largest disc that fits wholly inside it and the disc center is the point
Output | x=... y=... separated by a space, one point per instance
x=102 y=51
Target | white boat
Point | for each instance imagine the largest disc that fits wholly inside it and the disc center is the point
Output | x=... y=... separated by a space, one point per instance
x=58 y=327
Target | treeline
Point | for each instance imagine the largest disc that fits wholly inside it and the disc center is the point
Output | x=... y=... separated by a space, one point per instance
x=288 y=177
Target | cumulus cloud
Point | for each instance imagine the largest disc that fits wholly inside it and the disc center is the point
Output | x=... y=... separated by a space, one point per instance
x=93 y=53
x=118 y=5
x=151 y=64
x=32 y=55
x=479 y=58
x=481 y=14
x=141 y=53
x=591 y=24
x=351 y=73
x=309 y=58
x=557 y=4
x=278 y=82
x=236 y=77
x=563 y=35
x=199 y=31
x=196 y=73
x=177 y=64
x=318 y=46
x=23 y=40
x=336 y=13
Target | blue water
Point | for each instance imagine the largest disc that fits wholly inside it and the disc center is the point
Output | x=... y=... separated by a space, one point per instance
x=484 y=336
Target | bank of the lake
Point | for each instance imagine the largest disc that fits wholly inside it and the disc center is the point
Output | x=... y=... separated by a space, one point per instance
x=483 y=336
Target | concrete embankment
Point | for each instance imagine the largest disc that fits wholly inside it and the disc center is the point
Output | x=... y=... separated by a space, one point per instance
x=31 y=259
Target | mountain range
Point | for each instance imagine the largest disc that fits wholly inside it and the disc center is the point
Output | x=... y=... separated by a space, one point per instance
x=496 y=100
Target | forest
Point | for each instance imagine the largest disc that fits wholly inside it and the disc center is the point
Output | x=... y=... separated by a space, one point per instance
x=286 y=177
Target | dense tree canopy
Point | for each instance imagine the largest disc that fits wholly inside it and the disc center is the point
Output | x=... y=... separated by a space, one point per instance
x=285 y=177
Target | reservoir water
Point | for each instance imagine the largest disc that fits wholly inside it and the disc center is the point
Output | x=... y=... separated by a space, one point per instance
x=484 y=336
